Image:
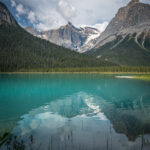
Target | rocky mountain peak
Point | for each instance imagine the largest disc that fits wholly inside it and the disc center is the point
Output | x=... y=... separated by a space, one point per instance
x=70 y=26
x=129 y=19
x=69 y=23
x=123 y=12
x=69 y=36
x=132 y=2
x=5 y=16
x=128 y=33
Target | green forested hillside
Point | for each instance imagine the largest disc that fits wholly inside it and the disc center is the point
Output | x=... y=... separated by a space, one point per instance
x=20 y=50
x=124 y=51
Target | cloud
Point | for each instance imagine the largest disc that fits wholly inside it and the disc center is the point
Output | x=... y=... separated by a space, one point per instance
x=41 y=26
x=145 y=1
x=100 y=26
x=49 y=20
x=20 y=9
x=31 y=17
x=50 y=14
x=13 y=3
x=66 y=10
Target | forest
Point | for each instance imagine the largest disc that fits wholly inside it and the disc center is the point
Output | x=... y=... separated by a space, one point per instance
x=19 y=50
x=22 y=52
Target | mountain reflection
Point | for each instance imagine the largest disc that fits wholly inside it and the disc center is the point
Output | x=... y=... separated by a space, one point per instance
x=84 y=121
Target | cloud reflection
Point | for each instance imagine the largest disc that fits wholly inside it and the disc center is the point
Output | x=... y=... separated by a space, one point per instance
x=87 y=127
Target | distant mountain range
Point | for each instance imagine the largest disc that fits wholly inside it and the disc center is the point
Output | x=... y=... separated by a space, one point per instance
x=19 y=50
x=126 y=40
x=69 y=36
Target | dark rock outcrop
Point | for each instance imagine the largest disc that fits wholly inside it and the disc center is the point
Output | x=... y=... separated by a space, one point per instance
x=5 y=16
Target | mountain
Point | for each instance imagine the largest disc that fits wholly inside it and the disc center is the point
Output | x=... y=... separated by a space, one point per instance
x=33 y=31
x=5 y=16
x=19 y=50
x=126 y=40
x=69 y=36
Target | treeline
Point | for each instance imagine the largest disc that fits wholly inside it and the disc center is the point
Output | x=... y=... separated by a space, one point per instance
x=116 y=69
x=20 y=50
x=126 y=53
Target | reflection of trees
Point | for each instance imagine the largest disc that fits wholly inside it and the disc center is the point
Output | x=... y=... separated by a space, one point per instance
x=82 y=133
x=5 y=128
x=12 y=142
x=128 y=117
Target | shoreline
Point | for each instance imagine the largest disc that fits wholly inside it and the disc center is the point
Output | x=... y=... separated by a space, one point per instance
x=145 y=76
x=69 y=72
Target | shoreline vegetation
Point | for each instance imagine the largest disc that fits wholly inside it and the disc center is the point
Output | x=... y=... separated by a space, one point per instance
x=133 y=74
x=145 y=77
x=140 y=73
x=111 y=70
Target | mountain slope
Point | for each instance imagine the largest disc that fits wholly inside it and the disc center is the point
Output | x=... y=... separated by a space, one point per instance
x=32 y=31
x=69 y=36
x=5 y=16
x=20 y=50
x=126 y=40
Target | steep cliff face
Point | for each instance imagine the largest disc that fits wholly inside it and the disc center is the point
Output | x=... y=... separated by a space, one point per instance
x=134 y=18
x=69 y=36
x=5 y=16
x=126 y=40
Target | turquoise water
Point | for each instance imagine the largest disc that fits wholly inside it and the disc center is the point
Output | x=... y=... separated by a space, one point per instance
x=74 y=112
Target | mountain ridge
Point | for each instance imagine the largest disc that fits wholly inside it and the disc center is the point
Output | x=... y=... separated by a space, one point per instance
x=69 y=36
x=128 y=18
x=19 y=50
x=128 y=34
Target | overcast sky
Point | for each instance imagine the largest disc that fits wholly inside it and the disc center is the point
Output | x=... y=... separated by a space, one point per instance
x=50 y=14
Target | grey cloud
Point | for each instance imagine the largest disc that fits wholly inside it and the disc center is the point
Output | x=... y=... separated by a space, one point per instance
x=48 y=14
x=20 y=9
x=31 y=17
x=66 y=10
x=13 y=3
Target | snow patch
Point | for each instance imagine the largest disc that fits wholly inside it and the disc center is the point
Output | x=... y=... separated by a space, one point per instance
x=92 y=37
x=124 y=77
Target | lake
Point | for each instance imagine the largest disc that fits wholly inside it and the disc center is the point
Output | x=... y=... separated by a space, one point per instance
x=74 y=112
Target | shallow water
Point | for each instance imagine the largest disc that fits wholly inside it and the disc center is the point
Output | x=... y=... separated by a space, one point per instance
x=74 y=112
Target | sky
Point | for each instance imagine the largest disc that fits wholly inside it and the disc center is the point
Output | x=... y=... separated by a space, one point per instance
x=51 y=14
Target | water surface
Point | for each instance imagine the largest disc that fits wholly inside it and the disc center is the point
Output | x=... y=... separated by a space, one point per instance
x=74 y=112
